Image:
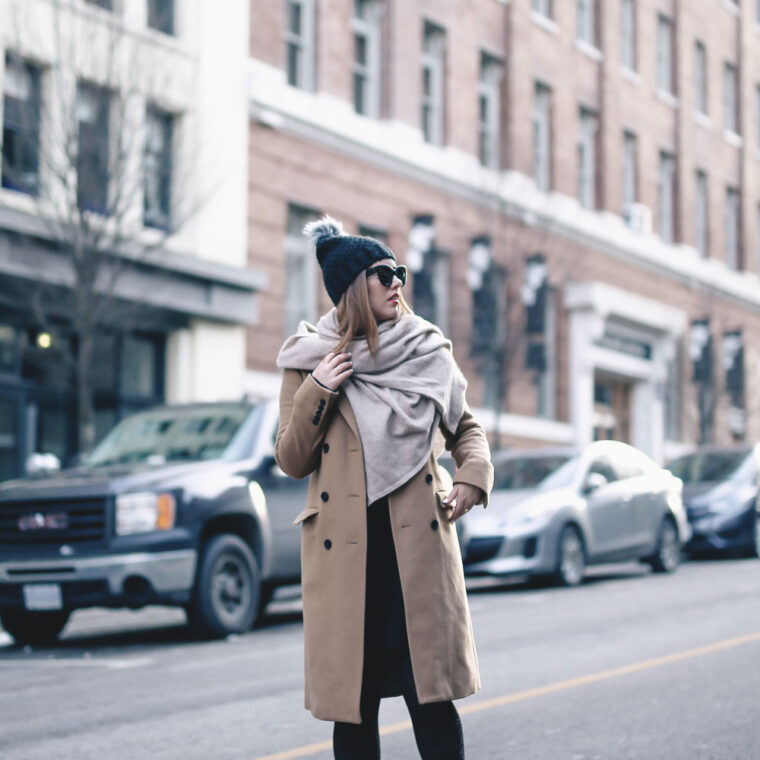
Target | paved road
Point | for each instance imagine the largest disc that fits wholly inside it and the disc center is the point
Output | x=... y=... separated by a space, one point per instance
x=630 y=666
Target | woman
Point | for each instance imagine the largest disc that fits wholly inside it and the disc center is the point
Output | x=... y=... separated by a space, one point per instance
x=368 y=398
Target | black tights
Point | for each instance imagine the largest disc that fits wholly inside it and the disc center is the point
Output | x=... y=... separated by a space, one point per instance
x=437 y=728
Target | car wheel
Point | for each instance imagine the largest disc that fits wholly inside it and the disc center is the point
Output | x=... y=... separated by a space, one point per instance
x=227 y=589
x=668 y=552
x=753 y=548
x=32 y=627
x=571 y=557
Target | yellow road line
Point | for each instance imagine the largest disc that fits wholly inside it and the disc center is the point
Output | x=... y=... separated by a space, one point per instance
x=521 y=696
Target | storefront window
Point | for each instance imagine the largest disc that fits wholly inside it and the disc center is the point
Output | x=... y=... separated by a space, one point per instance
x=139 y=366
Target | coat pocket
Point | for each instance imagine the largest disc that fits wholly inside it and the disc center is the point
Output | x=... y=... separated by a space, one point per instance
x=307 y=513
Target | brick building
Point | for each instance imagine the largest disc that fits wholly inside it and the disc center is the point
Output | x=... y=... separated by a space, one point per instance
x=574 y=186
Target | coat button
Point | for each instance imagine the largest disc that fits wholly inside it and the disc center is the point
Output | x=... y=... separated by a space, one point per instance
x=316 y=420
x=428 y=478
x=324 y=496
x=328 y=544
x=321 y=403
x=325 y=447
x=434 y=524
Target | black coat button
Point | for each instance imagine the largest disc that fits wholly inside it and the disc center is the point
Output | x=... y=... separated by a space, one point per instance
x=428 y=478
x=325 y=447
x=328 y=544
x=321 y=403
x=434 y=524
x=315 y=420
x=324 y=496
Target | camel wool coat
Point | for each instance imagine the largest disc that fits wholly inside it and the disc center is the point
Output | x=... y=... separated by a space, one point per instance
x=318 y=436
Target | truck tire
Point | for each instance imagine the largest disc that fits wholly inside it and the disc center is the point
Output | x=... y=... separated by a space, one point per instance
x=227 y=588
x=32 y=627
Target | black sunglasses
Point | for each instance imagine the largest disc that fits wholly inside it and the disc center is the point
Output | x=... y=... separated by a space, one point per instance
x=386 y=274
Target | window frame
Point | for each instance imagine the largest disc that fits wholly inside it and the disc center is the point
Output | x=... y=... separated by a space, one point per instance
x=303 y=304
x=629 y=35
x=26 y=146
x=489 y=128
x=588 y=128
x=665 y=49
x=630 y=184
x=543 y=8
x=542 y=136
x=733 y=228
x=667 y=165
x=160 y=219
x=304 y=78
x=731 y=98
x=433 y=104
x=370 y=28
x=701 y=83
x=702 y=214
x=100 y=137
x=586 y=22
x=162 y=19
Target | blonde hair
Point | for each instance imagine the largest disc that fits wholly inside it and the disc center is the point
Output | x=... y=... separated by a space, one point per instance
x=355 y=317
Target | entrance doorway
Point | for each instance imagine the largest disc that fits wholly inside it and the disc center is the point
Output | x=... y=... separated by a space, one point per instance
x=612 y=408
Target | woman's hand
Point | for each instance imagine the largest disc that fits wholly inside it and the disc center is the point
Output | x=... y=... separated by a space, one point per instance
x=466 y=496
x=333 y=370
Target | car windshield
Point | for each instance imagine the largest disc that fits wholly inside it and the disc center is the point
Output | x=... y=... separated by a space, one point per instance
x=525 y=472
x=170 y=435
x=562 y=477
x=707 y=467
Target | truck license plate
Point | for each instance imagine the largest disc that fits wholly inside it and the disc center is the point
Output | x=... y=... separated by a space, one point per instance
x=43 y=596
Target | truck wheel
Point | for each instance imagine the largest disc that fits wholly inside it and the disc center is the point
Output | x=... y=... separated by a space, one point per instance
x=227 y=588
x=34 y=628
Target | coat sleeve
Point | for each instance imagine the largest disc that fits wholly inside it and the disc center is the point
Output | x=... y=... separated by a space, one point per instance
x=305 y=410
x=469 y=447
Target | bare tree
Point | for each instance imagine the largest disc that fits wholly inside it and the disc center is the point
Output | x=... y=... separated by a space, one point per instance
x=103 y=200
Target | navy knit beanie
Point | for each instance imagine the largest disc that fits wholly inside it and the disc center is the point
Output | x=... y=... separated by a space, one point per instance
x=342 y=257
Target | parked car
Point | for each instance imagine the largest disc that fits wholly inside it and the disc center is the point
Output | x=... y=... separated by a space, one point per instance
x=721 y=494
x=179 y=505
x=553 y=513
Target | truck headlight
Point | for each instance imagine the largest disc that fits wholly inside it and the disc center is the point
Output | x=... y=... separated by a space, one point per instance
x=144 y=512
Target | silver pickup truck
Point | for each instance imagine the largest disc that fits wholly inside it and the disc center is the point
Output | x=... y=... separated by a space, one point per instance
x=179 y=505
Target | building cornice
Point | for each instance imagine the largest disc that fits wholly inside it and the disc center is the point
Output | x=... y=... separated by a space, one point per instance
x=331 y=122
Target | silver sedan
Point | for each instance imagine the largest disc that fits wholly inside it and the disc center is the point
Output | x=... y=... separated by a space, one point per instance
x=607 y=503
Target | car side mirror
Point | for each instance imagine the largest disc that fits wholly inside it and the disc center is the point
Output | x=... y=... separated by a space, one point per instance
x=594 y=481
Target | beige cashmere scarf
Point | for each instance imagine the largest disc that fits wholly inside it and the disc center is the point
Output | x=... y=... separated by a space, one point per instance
x=398 y=398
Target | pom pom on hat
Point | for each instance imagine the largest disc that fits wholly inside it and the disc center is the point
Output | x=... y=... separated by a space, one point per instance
x=323 y=229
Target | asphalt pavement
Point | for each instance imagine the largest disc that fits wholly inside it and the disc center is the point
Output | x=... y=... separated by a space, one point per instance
x=629 y=666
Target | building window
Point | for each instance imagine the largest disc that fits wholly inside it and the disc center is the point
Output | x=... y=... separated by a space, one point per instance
x=489 y=110
x=300 y=43
x=142 y=355
x=628 y=14
x=161 y=15
x=157 y=179
x=700 y=77
x=664 y=54
x=373 y=232
x=21 y=126
x=300 y=270
x=542 y=102
x=543 y=7
x=730 y=100
x=366 y=70
x=93 y=121
x=667 y=197
x=587 y=127
x=433 y=87
x=586 y=21
x=732 y=227
x=702 y=216
x=105 y=4
x=630 y=169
